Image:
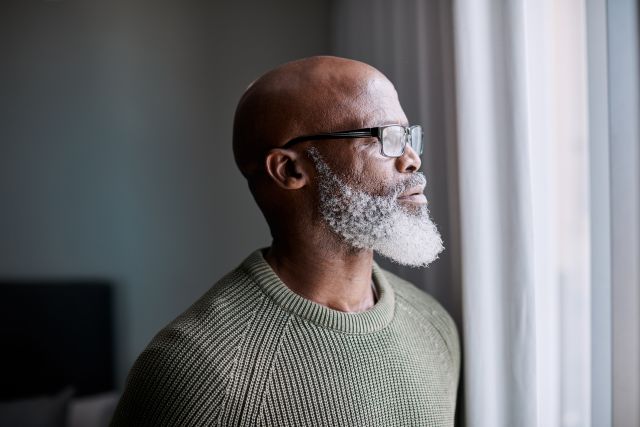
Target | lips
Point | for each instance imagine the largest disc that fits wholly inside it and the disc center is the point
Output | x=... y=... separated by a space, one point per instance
x=414 y=194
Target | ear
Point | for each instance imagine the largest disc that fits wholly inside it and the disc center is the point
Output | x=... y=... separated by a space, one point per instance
x=286 y=169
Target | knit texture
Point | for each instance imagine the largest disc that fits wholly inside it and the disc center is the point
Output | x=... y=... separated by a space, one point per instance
x=251 y=352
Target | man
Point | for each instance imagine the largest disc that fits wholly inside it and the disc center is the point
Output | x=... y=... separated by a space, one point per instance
x=311 y=331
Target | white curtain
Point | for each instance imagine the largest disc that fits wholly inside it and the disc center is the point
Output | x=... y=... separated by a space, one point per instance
x=497 y=219
x=504 y=84
x=525 y=210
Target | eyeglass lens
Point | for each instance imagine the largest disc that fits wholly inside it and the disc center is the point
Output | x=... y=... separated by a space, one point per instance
x=394 y=137
x=416 y=138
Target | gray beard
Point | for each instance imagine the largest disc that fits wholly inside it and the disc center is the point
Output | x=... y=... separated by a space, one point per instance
x=380 y=223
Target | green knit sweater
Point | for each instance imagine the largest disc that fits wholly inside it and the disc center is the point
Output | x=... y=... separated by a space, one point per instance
x=251 y=352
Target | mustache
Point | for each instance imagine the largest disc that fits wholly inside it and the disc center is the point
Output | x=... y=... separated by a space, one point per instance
x=416 y=178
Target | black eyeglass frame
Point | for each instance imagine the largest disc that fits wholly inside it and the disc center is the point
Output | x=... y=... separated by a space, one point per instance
x=362 y=133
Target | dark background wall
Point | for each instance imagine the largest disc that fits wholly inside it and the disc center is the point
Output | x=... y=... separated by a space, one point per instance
x=115 y=155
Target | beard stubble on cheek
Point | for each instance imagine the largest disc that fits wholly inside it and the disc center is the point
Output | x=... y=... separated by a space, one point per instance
x=404 y=234
x=363 y=182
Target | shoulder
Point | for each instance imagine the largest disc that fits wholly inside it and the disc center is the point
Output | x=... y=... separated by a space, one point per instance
x=186 y=365
x=408 y=293
x=427 y=309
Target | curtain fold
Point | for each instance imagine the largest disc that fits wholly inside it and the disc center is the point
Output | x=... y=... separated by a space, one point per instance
x=496 y=212
x=525 y=219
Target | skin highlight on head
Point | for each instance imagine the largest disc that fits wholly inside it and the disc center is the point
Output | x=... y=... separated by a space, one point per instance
x=305 y=97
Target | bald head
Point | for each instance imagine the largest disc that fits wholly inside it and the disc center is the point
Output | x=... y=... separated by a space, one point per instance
x=312 y=95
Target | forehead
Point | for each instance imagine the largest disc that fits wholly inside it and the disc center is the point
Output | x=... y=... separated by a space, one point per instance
x=374 y=104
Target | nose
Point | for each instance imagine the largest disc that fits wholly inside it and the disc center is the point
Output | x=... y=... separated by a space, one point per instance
x=409 y=161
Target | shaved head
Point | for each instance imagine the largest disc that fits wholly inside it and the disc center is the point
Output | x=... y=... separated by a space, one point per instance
x=332 y=200
x=311 y=95
x=339 y=195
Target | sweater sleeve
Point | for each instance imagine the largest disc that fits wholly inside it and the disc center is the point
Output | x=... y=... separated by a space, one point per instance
x=166 y=385
x=452 y=338
x=439 y=318
x=145 y=394
x=445 y=324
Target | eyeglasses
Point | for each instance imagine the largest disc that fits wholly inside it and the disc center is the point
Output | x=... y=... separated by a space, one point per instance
x=393 y=138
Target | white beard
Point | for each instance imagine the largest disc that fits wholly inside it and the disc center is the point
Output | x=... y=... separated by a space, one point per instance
x=380 y=223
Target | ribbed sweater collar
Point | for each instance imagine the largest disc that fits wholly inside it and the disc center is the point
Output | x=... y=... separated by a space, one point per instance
x=371 y=320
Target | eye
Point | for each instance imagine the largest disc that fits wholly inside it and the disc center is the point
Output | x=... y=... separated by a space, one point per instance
x=370 y=142
x=367 y=146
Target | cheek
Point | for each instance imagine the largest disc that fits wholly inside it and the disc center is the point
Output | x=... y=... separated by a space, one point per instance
x=373 y=175
x=365 y=168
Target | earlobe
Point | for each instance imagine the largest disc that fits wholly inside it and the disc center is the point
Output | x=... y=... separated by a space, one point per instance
x=283 y=167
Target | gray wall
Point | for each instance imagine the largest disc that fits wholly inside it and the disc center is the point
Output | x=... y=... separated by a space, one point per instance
x=115 y=135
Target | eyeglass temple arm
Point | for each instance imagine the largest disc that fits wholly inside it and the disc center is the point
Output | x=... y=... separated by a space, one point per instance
x=358 y=133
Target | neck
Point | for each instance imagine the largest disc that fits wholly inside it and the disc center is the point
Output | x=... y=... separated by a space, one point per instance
x=335 y=276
